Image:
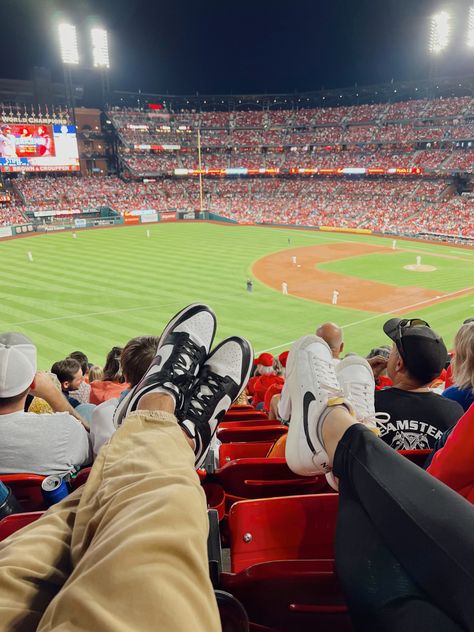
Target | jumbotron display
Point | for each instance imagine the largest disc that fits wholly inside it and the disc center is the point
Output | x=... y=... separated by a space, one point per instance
x=38 y=147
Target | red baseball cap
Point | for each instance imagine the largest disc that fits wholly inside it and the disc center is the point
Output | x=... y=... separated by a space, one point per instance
x=265 y=359
x=283 y=357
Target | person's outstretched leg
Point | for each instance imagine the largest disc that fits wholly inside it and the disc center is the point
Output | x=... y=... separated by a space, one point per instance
x=404 y=543
x=34 y=564
x=421 y=530
x=139 y=543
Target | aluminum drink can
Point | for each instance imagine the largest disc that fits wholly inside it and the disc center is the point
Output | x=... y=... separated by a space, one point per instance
x=54 y=489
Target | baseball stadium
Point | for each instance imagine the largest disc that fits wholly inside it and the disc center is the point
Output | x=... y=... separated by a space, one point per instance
x=236 y=341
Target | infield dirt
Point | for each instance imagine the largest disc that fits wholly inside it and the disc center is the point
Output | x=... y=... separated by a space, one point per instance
x=306 y=281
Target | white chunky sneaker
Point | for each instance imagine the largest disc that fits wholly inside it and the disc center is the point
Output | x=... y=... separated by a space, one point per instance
x=314 y=390
x=183 y=348
x=221 y=380
x=356 y=378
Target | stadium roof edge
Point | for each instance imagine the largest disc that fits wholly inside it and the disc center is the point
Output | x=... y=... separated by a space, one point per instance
x=393 y=91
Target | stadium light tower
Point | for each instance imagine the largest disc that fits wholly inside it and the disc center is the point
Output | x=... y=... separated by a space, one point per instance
x=470 y=28
x=100 y=58
x=440 y=31
x=68 y=44
x=100 y=48
x=70 y=58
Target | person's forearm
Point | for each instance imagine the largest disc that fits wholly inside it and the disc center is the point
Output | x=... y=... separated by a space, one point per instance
x=59 y=404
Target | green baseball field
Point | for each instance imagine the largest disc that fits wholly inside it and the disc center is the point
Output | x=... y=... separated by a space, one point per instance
x=103 y=287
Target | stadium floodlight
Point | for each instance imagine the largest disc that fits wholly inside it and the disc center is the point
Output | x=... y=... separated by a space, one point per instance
x=100 y=48
x=440 y=30
x=68 y=44
x=470 y=28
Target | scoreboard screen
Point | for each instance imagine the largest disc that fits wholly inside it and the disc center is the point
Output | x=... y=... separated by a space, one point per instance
x=39 y=147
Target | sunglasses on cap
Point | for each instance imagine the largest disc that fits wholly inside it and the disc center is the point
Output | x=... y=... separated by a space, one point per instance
x=403 y=325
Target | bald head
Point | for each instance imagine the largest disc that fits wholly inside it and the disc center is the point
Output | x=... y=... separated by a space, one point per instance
x=332 y=334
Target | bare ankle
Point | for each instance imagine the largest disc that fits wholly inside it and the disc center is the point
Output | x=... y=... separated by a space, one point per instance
x=157 y=401
x=337 y=421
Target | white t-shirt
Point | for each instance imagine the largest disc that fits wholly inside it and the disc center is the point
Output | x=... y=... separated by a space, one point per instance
x=51 y=443
x=102 y=423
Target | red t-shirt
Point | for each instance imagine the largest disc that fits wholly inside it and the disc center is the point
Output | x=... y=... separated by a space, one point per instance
x=274 y=389
x=453 y=463
x=101 y=390
x=383 y=382
x=262 y=384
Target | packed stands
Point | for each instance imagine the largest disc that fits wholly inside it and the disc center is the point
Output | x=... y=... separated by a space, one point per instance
x=11 y=215
x=434 y=137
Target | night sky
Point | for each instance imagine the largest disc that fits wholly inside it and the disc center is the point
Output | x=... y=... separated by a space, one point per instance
x=223 y=47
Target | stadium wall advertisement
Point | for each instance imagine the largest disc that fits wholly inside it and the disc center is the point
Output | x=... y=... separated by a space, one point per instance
x=5 y=231
x=38 y=147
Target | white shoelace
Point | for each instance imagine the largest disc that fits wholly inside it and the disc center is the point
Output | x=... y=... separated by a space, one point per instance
x=362 y=398
x=326 y=376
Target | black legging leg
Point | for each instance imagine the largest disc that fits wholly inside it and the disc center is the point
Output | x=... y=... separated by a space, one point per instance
x=405 y=541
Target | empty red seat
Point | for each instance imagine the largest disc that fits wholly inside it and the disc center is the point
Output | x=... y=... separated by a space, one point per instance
x=14 y=522
x=215 y=498
x=282 y=528
x=264 y=478
x=27 y=490
x=243 y=415
x=282 y=564
x=243 y=450
x=268 y=432
x=248 y=423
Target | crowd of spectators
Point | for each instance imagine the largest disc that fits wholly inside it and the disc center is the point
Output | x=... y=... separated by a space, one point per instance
x=434 y=160
x=11 y=215
x=388 y=204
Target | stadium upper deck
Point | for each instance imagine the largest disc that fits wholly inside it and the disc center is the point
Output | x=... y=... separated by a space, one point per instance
x=436 y=135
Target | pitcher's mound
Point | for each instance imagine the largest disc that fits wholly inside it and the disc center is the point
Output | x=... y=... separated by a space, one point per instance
x=421 y=268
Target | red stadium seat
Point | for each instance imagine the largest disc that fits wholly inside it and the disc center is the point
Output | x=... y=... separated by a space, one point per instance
x=282 y=528
x=416 y=456
x=244 y=450
x=27 y=490
x=215 y=498
x=244 y=415
x=282 y=567
x=269 y=432
x=264 y=478
x=14 y=522
x=250 y=423
x=80 y=479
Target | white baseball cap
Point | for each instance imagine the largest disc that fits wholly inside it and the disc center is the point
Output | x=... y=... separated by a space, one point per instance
x=17 y=364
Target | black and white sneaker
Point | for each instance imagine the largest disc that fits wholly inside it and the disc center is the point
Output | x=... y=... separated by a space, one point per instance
x=221 y=380
x=183 y=348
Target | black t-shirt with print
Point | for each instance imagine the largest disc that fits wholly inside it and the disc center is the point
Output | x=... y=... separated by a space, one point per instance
x=416 y=420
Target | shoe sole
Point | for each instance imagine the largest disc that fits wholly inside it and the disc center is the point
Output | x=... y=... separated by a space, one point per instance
x=129 y=403
x=298 y=453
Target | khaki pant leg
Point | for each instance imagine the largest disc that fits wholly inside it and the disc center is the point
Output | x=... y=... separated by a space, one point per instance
x=34 y=564
x=139 y=546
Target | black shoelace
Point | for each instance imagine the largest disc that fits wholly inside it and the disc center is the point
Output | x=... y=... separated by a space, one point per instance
x=186 y=356
x=209 y=389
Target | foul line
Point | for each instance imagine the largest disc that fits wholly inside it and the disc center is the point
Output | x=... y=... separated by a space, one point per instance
x=365 y=320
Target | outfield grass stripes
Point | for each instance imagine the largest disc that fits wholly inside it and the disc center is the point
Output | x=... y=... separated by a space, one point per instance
x=107 y=286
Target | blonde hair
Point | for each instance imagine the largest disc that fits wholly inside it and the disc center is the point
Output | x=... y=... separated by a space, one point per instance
x=463 y=362
x=96 y=373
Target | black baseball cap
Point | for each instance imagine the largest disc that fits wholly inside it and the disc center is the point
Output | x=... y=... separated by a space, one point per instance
x=422 y=350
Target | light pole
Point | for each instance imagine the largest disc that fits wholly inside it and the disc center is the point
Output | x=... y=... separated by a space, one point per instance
x=439 y=38
x=470 y=28
x=100 y=58
x=70 y=58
